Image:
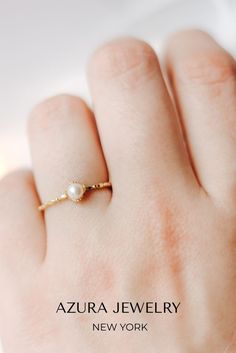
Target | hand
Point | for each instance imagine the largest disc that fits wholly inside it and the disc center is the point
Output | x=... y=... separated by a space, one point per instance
x=166 y=233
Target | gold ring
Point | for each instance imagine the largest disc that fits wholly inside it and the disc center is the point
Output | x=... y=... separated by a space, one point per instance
x=75 y=192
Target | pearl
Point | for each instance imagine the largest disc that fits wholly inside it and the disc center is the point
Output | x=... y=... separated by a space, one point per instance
x=75 y=192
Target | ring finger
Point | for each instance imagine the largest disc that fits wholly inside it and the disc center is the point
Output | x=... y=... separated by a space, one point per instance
x=65 y=147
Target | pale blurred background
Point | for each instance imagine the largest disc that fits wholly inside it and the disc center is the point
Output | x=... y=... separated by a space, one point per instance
x=44 y=45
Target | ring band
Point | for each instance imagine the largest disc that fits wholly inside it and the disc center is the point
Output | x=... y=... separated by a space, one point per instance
x=75 y=192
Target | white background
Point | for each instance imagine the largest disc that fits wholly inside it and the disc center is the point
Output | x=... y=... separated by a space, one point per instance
x=44 y=46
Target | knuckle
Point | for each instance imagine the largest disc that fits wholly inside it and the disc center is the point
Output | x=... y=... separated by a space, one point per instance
x=211 y=68
x=103 y=274
x=126 y=58
x=54 y=111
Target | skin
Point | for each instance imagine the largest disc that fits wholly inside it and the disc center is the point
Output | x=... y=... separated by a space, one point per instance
x=166 y=232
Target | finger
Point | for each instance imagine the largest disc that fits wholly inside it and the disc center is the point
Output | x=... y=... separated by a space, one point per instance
x=22 y=232
x=203 y=76
x=138 y=128
x=65 y=147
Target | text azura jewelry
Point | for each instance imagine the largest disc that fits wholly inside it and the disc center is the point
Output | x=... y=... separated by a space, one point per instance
x=75 y=192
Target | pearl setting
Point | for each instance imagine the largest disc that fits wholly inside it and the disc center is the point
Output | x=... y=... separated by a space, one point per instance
x=75 y=191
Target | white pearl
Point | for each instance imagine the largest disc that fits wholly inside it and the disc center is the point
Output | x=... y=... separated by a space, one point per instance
x=75 y=191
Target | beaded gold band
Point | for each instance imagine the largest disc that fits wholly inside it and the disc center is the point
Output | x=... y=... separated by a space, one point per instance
x=75 y=192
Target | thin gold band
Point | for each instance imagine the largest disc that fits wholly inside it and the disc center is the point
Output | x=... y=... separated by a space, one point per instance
x=105 y=184
x=75 y=192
